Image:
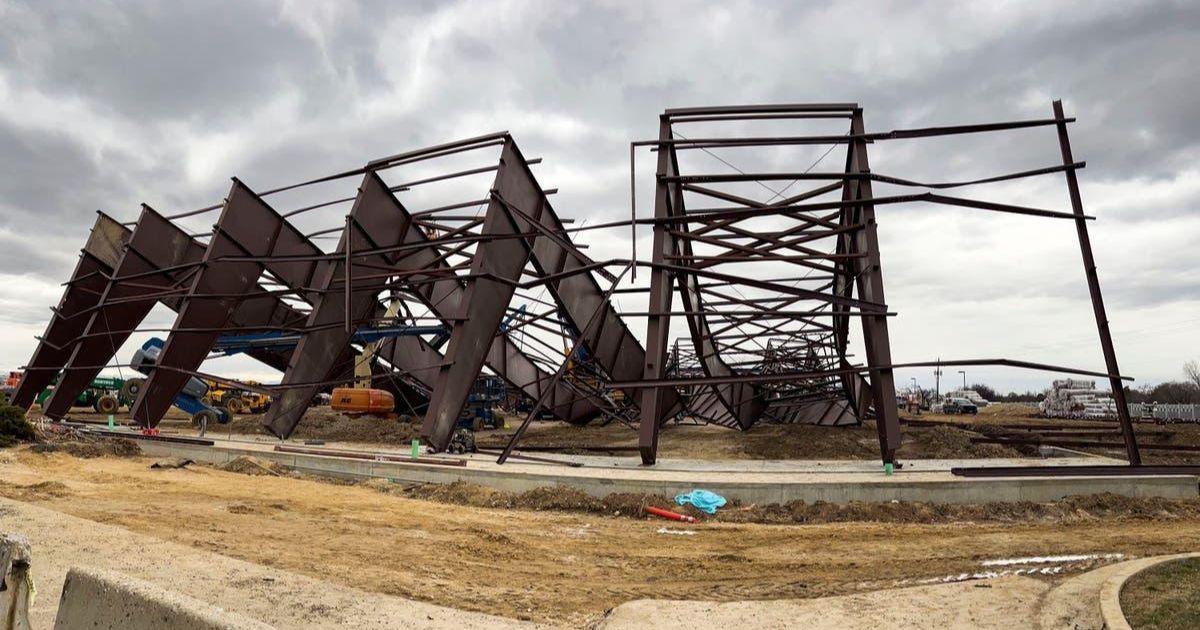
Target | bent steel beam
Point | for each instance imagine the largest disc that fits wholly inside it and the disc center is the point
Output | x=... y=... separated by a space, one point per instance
x=247 y=227
x=373 y=223
x=518 y=206
x=157 y=258
x=504 y=356
x=96 y=263
x=870 y=287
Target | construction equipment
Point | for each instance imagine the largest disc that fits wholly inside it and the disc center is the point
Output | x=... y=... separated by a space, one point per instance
x=362 y=400
x=236 y=400
x=480 y=411
x=191 y=400
x=103 y=395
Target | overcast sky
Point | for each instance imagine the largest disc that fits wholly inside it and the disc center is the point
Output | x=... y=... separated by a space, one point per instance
x=105 y=105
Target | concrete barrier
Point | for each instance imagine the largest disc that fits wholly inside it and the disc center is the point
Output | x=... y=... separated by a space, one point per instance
x=16 y=583
x=97 y=600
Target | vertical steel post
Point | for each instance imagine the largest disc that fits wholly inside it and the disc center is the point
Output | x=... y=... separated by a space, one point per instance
x=870 y=288
x=658 y=325
x=1089 y=269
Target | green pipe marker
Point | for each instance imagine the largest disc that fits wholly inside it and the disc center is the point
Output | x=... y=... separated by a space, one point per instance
x=416 y=448
x=110 y=422
x=887 y=469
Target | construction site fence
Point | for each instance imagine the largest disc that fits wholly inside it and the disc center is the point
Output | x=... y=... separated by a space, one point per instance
x=1188 y=413
x=1165 y=412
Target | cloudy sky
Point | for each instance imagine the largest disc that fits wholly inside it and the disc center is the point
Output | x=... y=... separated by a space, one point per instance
x=105 y=105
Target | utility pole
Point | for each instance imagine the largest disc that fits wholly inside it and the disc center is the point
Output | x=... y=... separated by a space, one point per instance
x=937 y=380
x=964 y=373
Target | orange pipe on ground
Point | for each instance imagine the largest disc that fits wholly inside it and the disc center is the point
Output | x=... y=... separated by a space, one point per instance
x=674 y=516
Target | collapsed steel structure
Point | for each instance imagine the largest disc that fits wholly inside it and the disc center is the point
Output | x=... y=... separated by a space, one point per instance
x=767 y=285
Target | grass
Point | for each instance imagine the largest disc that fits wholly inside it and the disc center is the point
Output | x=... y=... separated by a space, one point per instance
x=1166 y=597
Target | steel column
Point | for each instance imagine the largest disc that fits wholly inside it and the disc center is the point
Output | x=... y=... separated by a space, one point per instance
x=1089 y=269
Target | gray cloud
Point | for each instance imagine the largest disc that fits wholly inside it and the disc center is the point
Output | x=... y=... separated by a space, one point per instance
x=106 y=105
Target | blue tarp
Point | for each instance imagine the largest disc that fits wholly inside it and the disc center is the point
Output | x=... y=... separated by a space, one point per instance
x=702 y=500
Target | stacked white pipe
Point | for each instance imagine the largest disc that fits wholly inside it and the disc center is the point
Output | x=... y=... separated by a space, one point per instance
x=1077 y=398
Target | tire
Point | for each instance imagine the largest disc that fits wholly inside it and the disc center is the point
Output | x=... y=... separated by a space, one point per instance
x=132 y=388
x=201 y=419
x=107 y=404
x=235 y=405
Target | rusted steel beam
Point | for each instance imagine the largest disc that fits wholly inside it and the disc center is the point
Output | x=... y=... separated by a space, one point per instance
x=518 y=207
x=155 y=244
x=373 y=223
x=481 y=308
x=1093 y=280
x=742 y=401
x=247 y=226
x=578 y=295
x=96 y=262
x=655 y=405
x=442 y=295
x=504 y=356
x=870 y=288
x=1077 y=471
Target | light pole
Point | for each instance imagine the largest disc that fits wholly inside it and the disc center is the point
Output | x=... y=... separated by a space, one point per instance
x=964 y=379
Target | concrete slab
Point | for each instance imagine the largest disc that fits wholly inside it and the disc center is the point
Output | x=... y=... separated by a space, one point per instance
x=749 y=482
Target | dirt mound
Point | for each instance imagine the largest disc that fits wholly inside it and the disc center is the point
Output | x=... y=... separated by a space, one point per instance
x=948 y=443
x=119 y=447
x=564 y=498
x=36 y=491
x=632 y=504
x=321 y=423
x=460 y=493
x=248 y=465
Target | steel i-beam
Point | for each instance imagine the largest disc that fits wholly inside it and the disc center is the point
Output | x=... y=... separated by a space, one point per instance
x=99 y=257
x=158 y=256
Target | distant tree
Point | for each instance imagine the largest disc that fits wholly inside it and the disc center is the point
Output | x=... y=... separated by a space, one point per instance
x=1191 y=372
x=1174 y=393
x=1139 y=395
x=987 y=392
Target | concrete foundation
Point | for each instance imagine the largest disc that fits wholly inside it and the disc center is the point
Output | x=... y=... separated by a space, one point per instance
x=99 y=600
x=748 y=482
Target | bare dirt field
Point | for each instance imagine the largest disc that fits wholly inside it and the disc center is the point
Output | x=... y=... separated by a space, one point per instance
x=553 y=565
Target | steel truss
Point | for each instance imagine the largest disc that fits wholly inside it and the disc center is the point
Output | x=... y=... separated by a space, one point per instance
x=769 y=287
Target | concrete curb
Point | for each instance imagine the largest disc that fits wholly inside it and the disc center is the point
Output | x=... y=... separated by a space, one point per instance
x=1110 y=592
x=93 y=599
x=753 y=487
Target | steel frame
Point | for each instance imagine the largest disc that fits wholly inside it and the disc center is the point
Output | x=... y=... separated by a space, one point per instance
x=769 y=289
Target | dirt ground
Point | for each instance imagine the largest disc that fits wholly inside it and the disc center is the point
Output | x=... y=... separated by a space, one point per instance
x=551 y=565
x=993 y=419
